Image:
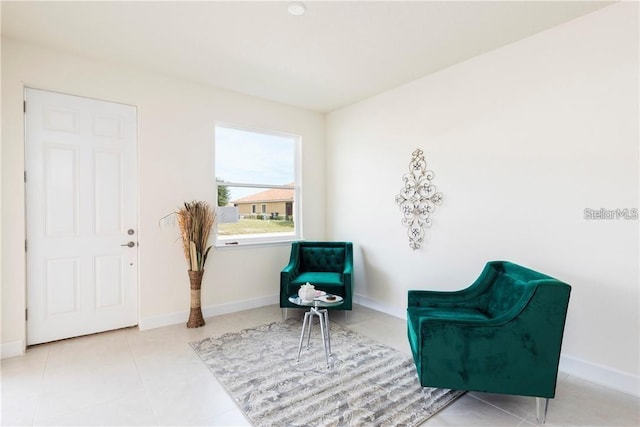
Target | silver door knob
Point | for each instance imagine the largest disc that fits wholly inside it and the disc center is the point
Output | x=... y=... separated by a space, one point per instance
x=130 y=244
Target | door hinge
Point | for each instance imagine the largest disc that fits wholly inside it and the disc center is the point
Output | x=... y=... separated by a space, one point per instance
x=26 y=314
x=25 y=176
x=24 y=106
x=25 y=245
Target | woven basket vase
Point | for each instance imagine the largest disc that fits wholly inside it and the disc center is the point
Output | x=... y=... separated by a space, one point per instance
x=195 y=315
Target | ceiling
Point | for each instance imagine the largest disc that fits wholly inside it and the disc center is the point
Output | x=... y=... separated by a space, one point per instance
x=338 y=53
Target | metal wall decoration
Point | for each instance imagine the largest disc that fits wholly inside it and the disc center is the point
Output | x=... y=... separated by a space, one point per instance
x=417 y=199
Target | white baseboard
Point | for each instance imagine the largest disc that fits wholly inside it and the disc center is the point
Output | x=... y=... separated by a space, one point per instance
x=212 y=310
x=11 y=349
x=599 y=374
x=375 y=305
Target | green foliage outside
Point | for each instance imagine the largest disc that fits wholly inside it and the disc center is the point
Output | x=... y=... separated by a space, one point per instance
x=224 y=194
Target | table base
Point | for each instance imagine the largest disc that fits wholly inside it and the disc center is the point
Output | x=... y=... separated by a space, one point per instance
x=323 y=316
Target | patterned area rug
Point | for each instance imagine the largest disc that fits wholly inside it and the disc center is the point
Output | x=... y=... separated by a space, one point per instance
x=367 y=384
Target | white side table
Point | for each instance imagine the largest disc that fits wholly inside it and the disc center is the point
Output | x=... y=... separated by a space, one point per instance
x=317 y=307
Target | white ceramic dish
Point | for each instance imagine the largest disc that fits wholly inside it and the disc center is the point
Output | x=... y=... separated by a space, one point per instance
x=323 y=298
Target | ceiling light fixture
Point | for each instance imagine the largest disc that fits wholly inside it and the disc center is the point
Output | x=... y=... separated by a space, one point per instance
x=297 y=9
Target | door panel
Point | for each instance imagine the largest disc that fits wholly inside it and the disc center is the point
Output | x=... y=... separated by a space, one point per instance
x=81 y=187
x=108 y=192
x=61 y=190
x=109 y=282
x=62 y=287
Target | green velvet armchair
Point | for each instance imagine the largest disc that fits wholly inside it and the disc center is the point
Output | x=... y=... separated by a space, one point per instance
x=502 y=334
x=326 y=265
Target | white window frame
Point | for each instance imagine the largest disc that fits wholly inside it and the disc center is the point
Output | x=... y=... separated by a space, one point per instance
x=235 y=241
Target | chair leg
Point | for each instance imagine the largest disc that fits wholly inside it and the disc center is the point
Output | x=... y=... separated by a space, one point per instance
x=540 y=414
x=284 y=313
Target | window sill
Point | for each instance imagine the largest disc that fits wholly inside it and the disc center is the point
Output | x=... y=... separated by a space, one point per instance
x=256 y=240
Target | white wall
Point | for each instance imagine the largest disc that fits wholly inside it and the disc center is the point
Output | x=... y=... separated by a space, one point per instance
x=176 y=127
x=521 y=140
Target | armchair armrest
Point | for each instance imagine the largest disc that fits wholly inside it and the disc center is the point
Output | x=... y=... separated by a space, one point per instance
x=291 y=269
x=347 y=273
x=348 y=262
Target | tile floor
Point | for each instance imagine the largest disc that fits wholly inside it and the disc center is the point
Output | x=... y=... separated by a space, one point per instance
x=153 y=377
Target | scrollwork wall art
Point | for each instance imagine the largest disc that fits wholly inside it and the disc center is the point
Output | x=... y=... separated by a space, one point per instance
x=417 y=199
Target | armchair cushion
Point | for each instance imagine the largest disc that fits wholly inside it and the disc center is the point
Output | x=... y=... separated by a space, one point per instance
x=318 y=278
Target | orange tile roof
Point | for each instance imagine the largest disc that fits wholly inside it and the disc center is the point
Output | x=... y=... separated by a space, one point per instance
x=272 y=195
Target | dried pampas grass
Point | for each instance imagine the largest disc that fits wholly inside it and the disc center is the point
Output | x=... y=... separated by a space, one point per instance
x=195 y=221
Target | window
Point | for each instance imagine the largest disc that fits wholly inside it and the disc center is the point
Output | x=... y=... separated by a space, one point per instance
x=256 y=170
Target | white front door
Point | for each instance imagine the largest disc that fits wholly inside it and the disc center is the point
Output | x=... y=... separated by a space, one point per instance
x=81 y=193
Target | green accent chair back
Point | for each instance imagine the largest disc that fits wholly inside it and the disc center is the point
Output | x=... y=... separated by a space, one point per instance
x=326 y=265
x=502 y=334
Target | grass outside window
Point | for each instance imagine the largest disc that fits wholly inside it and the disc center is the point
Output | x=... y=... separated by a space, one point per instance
x=256 y=226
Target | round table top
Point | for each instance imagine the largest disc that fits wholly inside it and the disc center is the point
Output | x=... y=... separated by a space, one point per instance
x=317 y=302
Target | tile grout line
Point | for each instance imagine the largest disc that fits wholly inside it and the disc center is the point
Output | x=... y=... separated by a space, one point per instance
x=142 y=381
x=41 y=386
x=499 y=408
